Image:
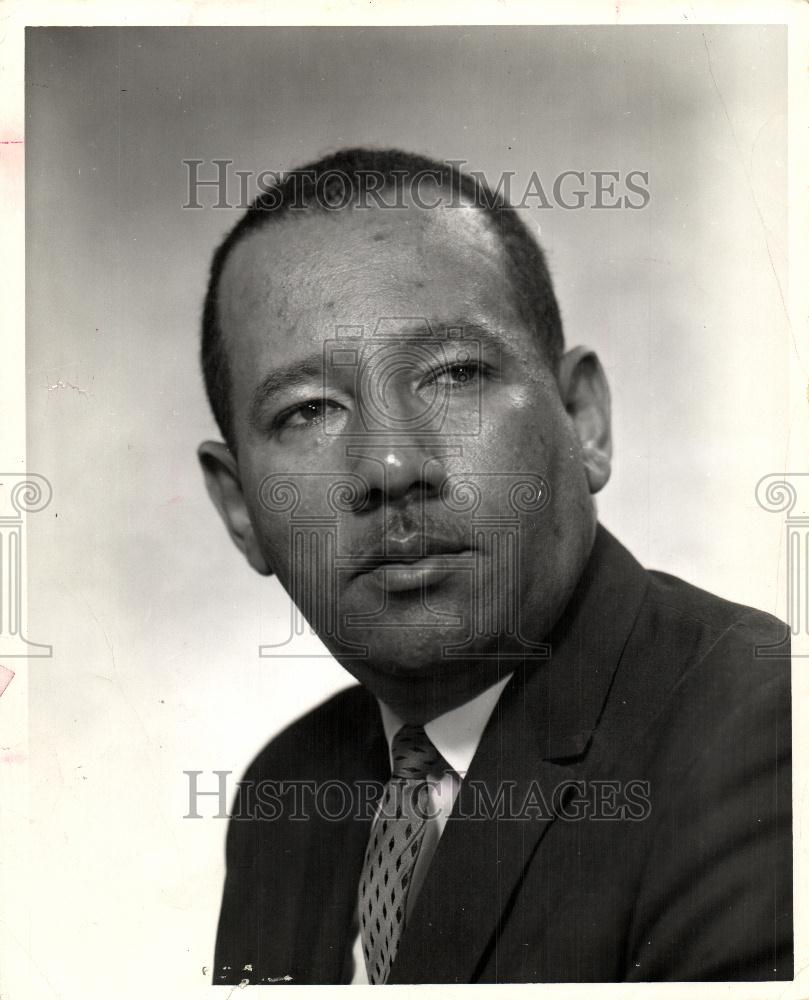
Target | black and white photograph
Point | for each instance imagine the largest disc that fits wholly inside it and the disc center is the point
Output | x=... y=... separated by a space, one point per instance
x=404 y=508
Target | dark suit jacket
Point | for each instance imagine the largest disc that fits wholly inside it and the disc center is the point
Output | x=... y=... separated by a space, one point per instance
x=659 y=702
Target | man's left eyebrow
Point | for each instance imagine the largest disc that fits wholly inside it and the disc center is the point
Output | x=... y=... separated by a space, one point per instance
x=462 y=330
x=299 y=372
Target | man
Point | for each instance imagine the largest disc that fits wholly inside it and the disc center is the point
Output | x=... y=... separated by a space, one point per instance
x=558 y=766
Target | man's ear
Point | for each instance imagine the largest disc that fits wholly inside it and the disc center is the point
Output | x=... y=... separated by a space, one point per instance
x=586 y=396
x=225 y=489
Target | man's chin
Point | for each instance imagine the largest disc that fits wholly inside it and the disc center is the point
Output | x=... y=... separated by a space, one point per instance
x=419 y=683
x=419 y=663
x=403 y=651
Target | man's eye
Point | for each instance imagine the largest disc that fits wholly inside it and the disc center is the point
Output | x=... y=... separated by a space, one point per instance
x=310 y=413
x=458 y=376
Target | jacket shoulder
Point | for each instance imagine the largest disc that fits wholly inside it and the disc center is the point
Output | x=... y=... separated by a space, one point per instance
x=332 y=730
x=713 y=613
x=694 y=662
x=729 y=645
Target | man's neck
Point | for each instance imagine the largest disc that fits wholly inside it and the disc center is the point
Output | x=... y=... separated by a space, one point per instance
x=419 y=702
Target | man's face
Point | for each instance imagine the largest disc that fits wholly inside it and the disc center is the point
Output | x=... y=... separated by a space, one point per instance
x=406 y=463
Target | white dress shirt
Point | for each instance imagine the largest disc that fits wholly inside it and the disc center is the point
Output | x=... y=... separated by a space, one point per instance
x=455 y=735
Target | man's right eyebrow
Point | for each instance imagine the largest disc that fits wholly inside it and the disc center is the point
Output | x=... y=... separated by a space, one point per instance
x=280 y=379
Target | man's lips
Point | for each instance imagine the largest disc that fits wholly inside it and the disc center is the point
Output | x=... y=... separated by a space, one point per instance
x=394 y=577
x=412 y=562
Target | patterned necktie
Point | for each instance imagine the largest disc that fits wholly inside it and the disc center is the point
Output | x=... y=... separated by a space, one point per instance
x=393 y=849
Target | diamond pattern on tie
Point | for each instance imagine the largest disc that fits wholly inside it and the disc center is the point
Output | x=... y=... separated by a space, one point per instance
x=393 y=849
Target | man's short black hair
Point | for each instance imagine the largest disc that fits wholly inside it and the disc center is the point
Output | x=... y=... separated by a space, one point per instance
x=359 y=176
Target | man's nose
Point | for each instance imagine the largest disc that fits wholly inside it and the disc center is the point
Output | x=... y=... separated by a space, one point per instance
x=396 y=446
x=398 y=468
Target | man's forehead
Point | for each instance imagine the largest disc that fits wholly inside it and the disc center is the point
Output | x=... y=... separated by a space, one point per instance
x=302 y=238
x=338 y=266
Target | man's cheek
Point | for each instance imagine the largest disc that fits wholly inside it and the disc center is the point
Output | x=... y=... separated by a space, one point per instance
x=524 y=439
x=275 y=542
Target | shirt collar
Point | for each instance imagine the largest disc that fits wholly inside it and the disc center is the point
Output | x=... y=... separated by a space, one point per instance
x=455 y=734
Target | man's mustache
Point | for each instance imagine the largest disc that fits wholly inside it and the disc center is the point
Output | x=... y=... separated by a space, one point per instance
x=407 y=536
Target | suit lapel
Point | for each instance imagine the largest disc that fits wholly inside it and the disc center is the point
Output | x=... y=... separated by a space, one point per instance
x=537 y=738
